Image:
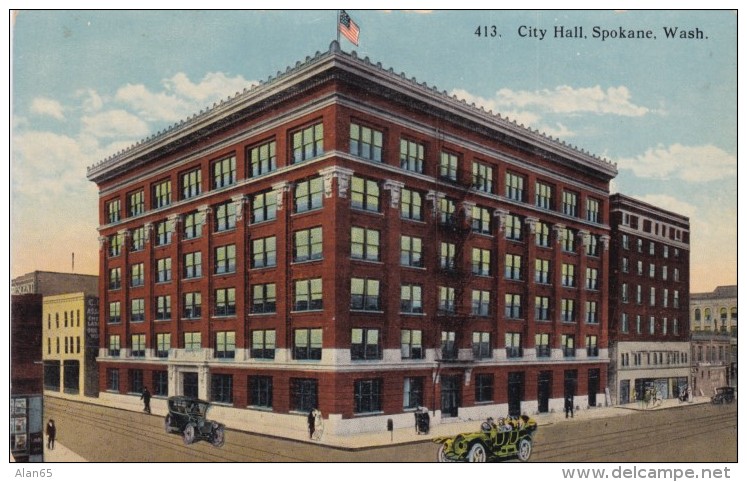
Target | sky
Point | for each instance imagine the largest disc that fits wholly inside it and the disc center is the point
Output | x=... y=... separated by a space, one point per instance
x=87 y=84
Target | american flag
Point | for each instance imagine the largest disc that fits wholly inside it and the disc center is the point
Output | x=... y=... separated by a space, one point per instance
x=348 y=28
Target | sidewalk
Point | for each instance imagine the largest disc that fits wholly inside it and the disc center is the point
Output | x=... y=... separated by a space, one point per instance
x=61 y=454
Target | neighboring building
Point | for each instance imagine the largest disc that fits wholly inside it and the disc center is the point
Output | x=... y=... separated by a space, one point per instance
x=711 y=361
x=649 y=287
x=49 y=283
x=716 y=312
x=70 y=344
x=342 y=237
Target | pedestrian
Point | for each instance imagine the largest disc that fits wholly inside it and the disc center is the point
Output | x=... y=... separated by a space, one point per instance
x=311 y=421
x=145 y=397
x=635 y=396
x=51 y=434
x=569 y=406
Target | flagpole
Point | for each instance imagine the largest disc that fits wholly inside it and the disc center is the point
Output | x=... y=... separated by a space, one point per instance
x=337 y=26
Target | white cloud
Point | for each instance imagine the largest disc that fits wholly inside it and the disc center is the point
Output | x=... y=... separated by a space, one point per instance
x=114 y=124
x=92 y=101
x=153 y=106
x=214 y=86
x=47 y=107
x=687 y=163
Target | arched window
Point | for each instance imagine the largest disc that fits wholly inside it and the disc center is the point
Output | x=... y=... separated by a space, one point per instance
x=734 y=313
x=722 y=313
x=708 y=314
x=697 y=314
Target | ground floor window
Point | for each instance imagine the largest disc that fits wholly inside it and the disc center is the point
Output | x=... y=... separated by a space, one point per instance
x=260 y=391
x=367 y=396
x=71 y=377
x=413 y=392
x=112 y=379
x=52 y=375
x=304 y=394
x=221 y=388
x=161 y=383
x=484 y=387
x=136 y=381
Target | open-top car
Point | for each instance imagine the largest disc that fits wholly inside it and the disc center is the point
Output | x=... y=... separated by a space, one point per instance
x=723 y=395
x=188 y=416
x=511 y=437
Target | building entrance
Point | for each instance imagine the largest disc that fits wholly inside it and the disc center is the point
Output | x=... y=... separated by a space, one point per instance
x=544 y=389
x=450 y=391
x=190 y=385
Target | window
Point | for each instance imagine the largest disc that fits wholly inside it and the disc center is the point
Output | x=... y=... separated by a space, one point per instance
x=448 y=345
x=513 y=306
x=411 y=251
x=364 y=294
x=225 y=302
x=446 y=299
x=364 y=194
x=260 y=391
x=624 y=292
x=364 y=244
x=482 y=177
x=163 y=270
x=676 y=299
x=308 y=195
x=115 y=245
x=568 y=345
x=570 y=203
x=367 y=396
x=568 y=275
x=264 y=252
x=542 y=271
x=364 y=344
x=480 y=302
x=640 y=268
x=542 y=344
x=308 y=295
x=625 y=241
x=513 y=227
x=264 y=207
x=191 y=184
x=303 y=394
x=481 y=262
x=592 y=279
x=592 y=350
x=665 y=298
x=483 y=387
x=592 y=210
x=592 y=249
x=567 y=310
x=513 y=345
x=263 y=298
x=411 y=155
x=366 y=142
x=224 y=172
x=114 y=345
x=113 y=211
x=675 y=327
x=446 y=209
x=112 y=379
x=664 y=323
x=137 y=310
x=481 y=345
x=447 y=259
x=638 y=324
x=651 y=248
x=665 y=251
x=307 y=344
x=447 y=168
x=135 y=203
x=163 y=344
x=221 y=388
x=193 y=265
x=225 y=259
x=591 y=312
x=411 y=344
x=262 y=159
x=651 y=270
x=137 y=275
x=676 y=274
x=307 y=245
x=625 y=265
x=115 y=278
x=192 y=305
x=513 y=267
x=225 y=216
x=412 y=393
x=568 y=240
x=664 y=273
x=542 y=235
x=163 y=308
x=192 y=340
x=411 y=298
x=161 y=194
x=263 y=344
x=639 y=245
x=163 y=233
x=161 y=383
x=411 y=205
x=514 y=186
x=652 y=300
x=115 y=313
x=138 y=345
x=225 y=344
x=651 y=325
x=543 y=196
x=192 y=225
x=542 y=308
x=480 y=220
x=308 y=143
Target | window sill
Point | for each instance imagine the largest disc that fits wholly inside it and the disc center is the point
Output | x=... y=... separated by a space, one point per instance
x=227 y=230
x=264 y=313
x=296 y=312
x=371 y=261
x=421 y=268
x=306 y=261
x=259 y=408
x=368 y=414
x=375 y=312
x=223 y=317
x=366 y=211
x=273 y=266
x=404 y=313
x=418 y=221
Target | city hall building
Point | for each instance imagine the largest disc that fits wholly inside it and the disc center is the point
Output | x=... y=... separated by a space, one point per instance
x=345 y=238
x=649 y=303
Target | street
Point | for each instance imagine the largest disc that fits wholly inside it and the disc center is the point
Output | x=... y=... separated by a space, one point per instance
x=691 y=433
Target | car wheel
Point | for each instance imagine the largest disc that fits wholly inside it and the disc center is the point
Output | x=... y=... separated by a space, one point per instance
x=189 y=434
x=477 y=453
x=167 y=423
x=524 y=449
x=442 y=454
x=219 y=437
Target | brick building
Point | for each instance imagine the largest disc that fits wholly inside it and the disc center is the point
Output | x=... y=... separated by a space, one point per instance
x=345 y=238
x=649 y=286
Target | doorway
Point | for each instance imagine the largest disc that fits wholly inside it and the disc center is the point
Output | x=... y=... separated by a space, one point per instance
x=450 y=391
x=544 y=389
x=515 y=393
x=593 y=386
x=190 y=384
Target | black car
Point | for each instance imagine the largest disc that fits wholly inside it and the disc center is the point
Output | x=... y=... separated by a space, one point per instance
x=188 y=416
x=723 y=395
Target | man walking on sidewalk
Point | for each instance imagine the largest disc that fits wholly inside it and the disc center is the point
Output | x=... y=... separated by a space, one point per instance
x=51 y=434
x=145 y=397
x=569 y=406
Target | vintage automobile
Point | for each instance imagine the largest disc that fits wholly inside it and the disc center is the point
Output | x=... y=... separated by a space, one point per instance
x=188 y=416
x=723 y=395
x=511 y=437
